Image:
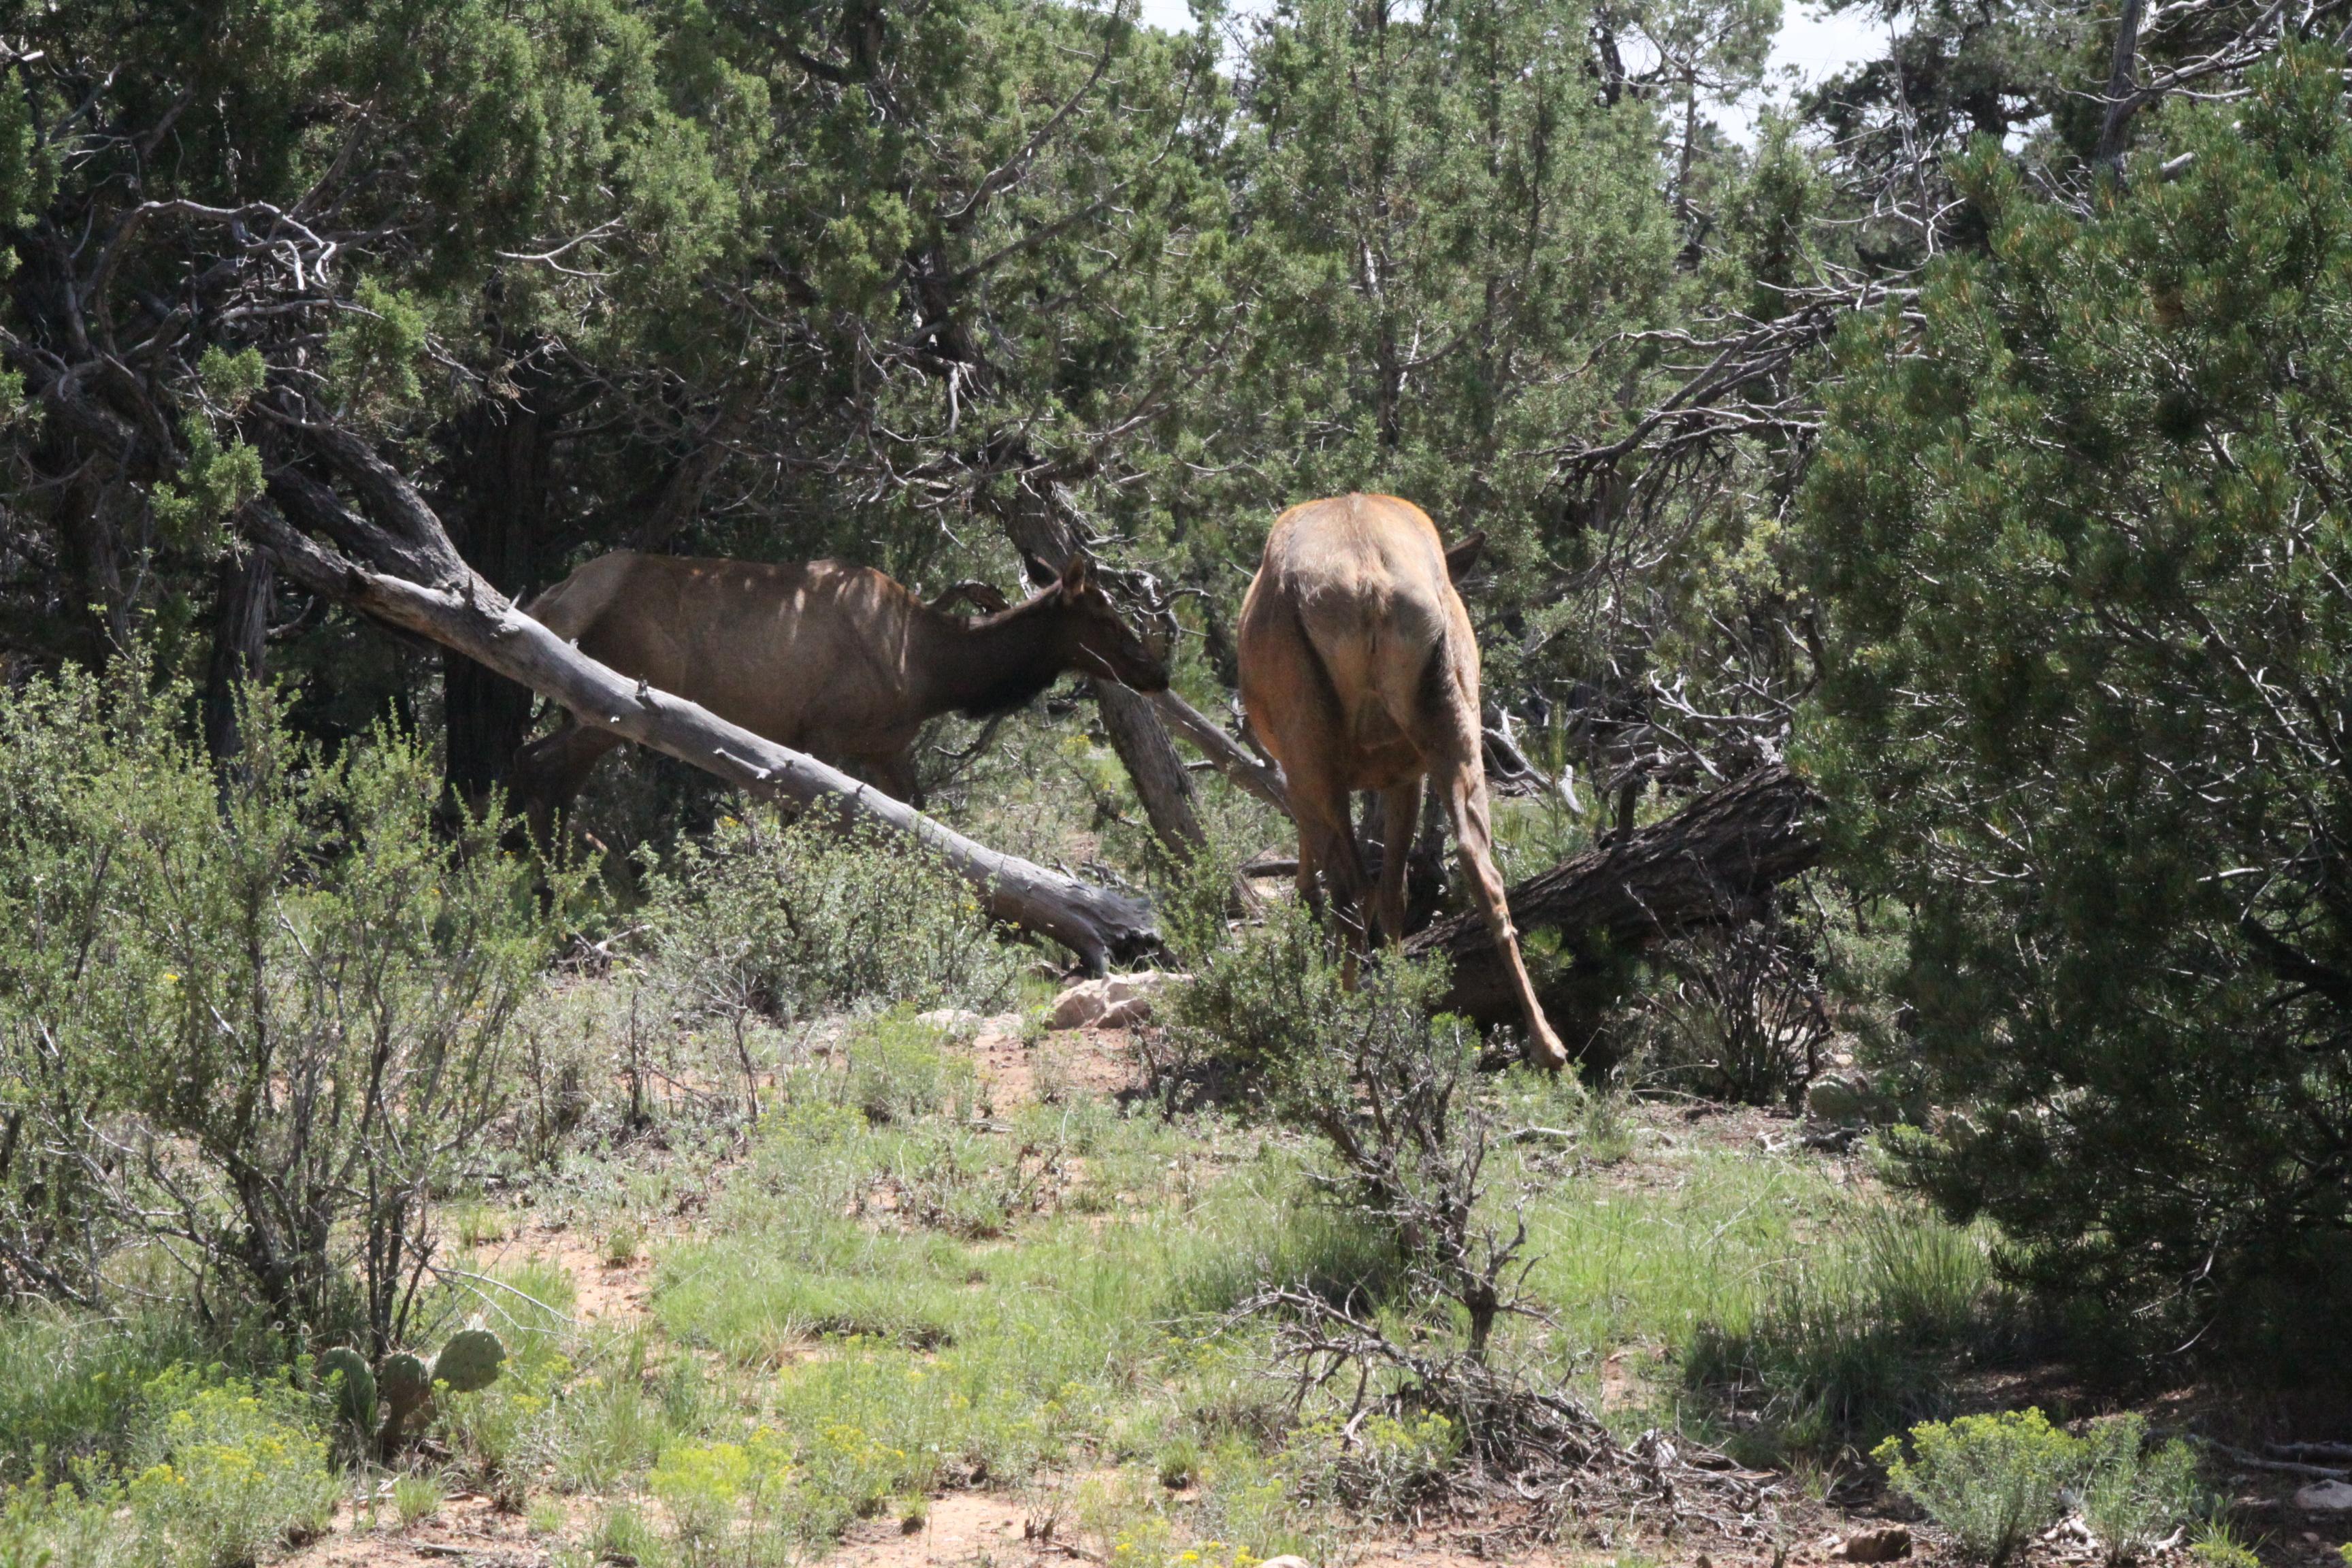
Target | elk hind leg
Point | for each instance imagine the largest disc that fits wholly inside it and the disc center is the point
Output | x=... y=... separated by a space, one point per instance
x=1400 y=816
x=1441 y=717
x=1464 y=783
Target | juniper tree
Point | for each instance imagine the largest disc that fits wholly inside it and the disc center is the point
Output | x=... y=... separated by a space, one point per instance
x=2078 y=523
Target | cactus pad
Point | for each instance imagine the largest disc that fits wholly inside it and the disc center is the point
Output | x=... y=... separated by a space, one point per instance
x=403 y=1382
x=355 y=1394
x=469 y=1361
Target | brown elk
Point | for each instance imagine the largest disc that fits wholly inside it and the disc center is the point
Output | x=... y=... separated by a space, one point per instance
x=1360 y=672
x=838 y=661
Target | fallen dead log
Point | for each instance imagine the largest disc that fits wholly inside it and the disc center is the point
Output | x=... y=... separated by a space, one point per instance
x=1713 y=863
x=1099 y=925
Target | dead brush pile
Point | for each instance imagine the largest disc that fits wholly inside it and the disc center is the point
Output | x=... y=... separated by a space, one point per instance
x=1411 y=1412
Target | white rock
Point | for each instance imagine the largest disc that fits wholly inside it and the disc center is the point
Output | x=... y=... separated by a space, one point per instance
x=951 y=1020
x=1286 y=1560
x=1113 y=1002
x=2325 y=1497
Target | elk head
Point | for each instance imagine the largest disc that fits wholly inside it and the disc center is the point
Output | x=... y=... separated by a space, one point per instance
x=1096 y=640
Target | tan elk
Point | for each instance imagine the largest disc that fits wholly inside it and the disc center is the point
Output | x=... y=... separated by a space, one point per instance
x=838 y=661
x=1360 y=672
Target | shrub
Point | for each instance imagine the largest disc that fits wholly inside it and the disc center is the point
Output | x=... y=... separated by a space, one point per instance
x=223 y=1472
x=1265 y=1003
x=898 y=1073
x=2132 y=1495
x=1740 y=1016
x=703 y=1485
x=1994 y=1481
x=263 y=1011
x=416 y=1497
x=775 y=921
x=1386 y=1467
x=70 y=1386
x=2218 y=1546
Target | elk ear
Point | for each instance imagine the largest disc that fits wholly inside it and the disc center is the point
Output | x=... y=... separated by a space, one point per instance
x=1463 y=554
x=1079 y=575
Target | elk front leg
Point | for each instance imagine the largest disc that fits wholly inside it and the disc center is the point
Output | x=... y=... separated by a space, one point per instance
x=550 y=771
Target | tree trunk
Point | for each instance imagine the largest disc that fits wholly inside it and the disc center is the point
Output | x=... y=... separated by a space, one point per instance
x=1161 y=781
x=242 y=585
x=1046 y=538
x=500 y=470
x=2120 y=95
x=462 y=613
x=1715 y=862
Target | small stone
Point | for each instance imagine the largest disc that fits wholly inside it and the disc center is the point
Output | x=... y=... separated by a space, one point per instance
x=1286 y=1560
x=2325 y=1497
x=1884 y=1544
x=1113 y=1001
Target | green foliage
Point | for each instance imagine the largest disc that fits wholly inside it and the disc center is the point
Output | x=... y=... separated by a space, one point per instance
x=784 y=921
x=1437 y=227
x=2081 y=547
x=469 y=1362
x=896 y=1069
x=2133 y=1495
x=1393 y=1463
x=1852 y=1340
x=1994 y=1481
x=231 y=379
x=416 y=1497
x=284 y=967
x=70 y=1387
x=2218 y=1545
x=344 y=1372
x=374 y=350
x=214 y=482
x=1273 y=1003
x=214 y=1474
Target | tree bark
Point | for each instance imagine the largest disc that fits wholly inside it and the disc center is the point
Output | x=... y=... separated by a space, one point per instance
x=1261 y=779
x=1047 y=539
x=466 y=615
x=1160 y=781
x=243 y=584
x=2121 y=98
x=500 y=471
x=1715 y=862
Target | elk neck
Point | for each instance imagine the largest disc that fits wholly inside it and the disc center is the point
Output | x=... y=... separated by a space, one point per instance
x=991 y=664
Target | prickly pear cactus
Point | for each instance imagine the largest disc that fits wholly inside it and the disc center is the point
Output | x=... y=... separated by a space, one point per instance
x=403 y=1380
x=405 y=1385
x=356 y=1394
x=469 y=1361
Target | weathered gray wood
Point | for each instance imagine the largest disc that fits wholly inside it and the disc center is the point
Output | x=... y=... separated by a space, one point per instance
x=1099 y=925
x=1261 y=779
x=1135 y=733
x=1715 y=862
